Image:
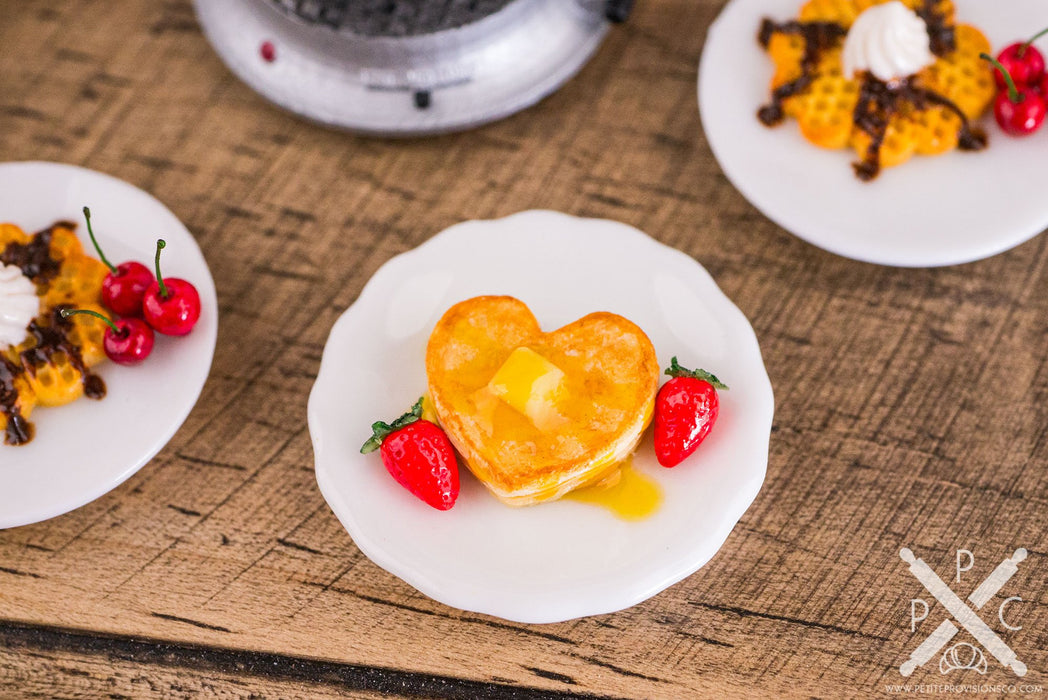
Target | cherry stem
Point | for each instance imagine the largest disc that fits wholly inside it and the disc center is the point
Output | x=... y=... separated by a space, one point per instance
x=1035 y=37
x=1013 y=94
x=101 y=255
x=66 y=313
x=160 y=245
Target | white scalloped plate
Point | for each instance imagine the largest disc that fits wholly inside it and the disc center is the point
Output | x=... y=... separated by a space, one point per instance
x=931 y=211
x=566 y=559
x=87 y=448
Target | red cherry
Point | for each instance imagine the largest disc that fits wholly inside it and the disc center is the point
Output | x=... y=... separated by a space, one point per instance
x=123 y=287
x=1022 y=117
x=1023 y=62
x=175 y=314
x=127 y=341
x=1018 y=112
x=130 y=343
x=170 y=306
x=1041 y=88
x=122 y=291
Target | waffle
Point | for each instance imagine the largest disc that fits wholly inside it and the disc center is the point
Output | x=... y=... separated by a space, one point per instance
x=51 y=367
x=927 y=114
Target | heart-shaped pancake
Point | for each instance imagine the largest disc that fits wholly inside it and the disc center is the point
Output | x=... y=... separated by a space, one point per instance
x=533 y=414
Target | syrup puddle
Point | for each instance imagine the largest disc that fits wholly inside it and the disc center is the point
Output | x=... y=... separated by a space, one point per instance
x=427 y=409
x=633 y=496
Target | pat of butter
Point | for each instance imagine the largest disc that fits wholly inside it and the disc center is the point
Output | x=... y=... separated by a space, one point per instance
x=531 y=384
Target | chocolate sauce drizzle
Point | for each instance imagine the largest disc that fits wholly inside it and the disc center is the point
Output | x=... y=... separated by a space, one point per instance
x=18 y=431
x=34 y=258
x=52 y=339
x=818 y=37
x=878 y=100
x=941 y=34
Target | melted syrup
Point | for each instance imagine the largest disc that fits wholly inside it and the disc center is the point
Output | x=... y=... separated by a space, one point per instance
x=629 y=494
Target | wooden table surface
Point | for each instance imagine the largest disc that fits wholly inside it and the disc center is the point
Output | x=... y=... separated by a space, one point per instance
x=911 y=403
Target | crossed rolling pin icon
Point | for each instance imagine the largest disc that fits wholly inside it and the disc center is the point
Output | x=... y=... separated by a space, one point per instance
x=967 y=617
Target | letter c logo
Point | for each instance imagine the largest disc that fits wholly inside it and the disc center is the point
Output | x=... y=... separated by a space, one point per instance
x=1000 y=612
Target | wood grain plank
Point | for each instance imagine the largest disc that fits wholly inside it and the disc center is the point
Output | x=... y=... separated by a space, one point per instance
x=911 y=404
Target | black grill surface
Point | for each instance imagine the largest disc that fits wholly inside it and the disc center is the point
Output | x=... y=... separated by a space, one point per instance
x=395 y=18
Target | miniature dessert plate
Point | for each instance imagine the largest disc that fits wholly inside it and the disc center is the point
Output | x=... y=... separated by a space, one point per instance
x=564 y=559
x=930 y=211
x=85 y=449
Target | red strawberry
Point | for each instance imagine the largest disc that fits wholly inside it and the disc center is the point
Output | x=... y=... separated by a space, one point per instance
x=685 y=410
x=419 y=456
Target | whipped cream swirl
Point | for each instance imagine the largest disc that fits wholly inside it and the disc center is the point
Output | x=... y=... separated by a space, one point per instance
x=890 y=41
x=19 y=304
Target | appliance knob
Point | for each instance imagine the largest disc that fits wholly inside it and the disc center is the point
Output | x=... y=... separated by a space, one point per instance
x=618 y=10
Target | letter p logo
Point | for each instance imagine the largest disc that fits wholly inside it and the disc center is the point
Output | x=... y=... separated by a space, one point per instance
x=913 y=613
x=961 y=568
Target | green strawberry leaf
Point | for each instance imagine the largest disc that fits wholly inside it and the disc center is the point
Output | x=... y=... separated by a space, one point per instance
x=675 y=370
x=381 y=430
